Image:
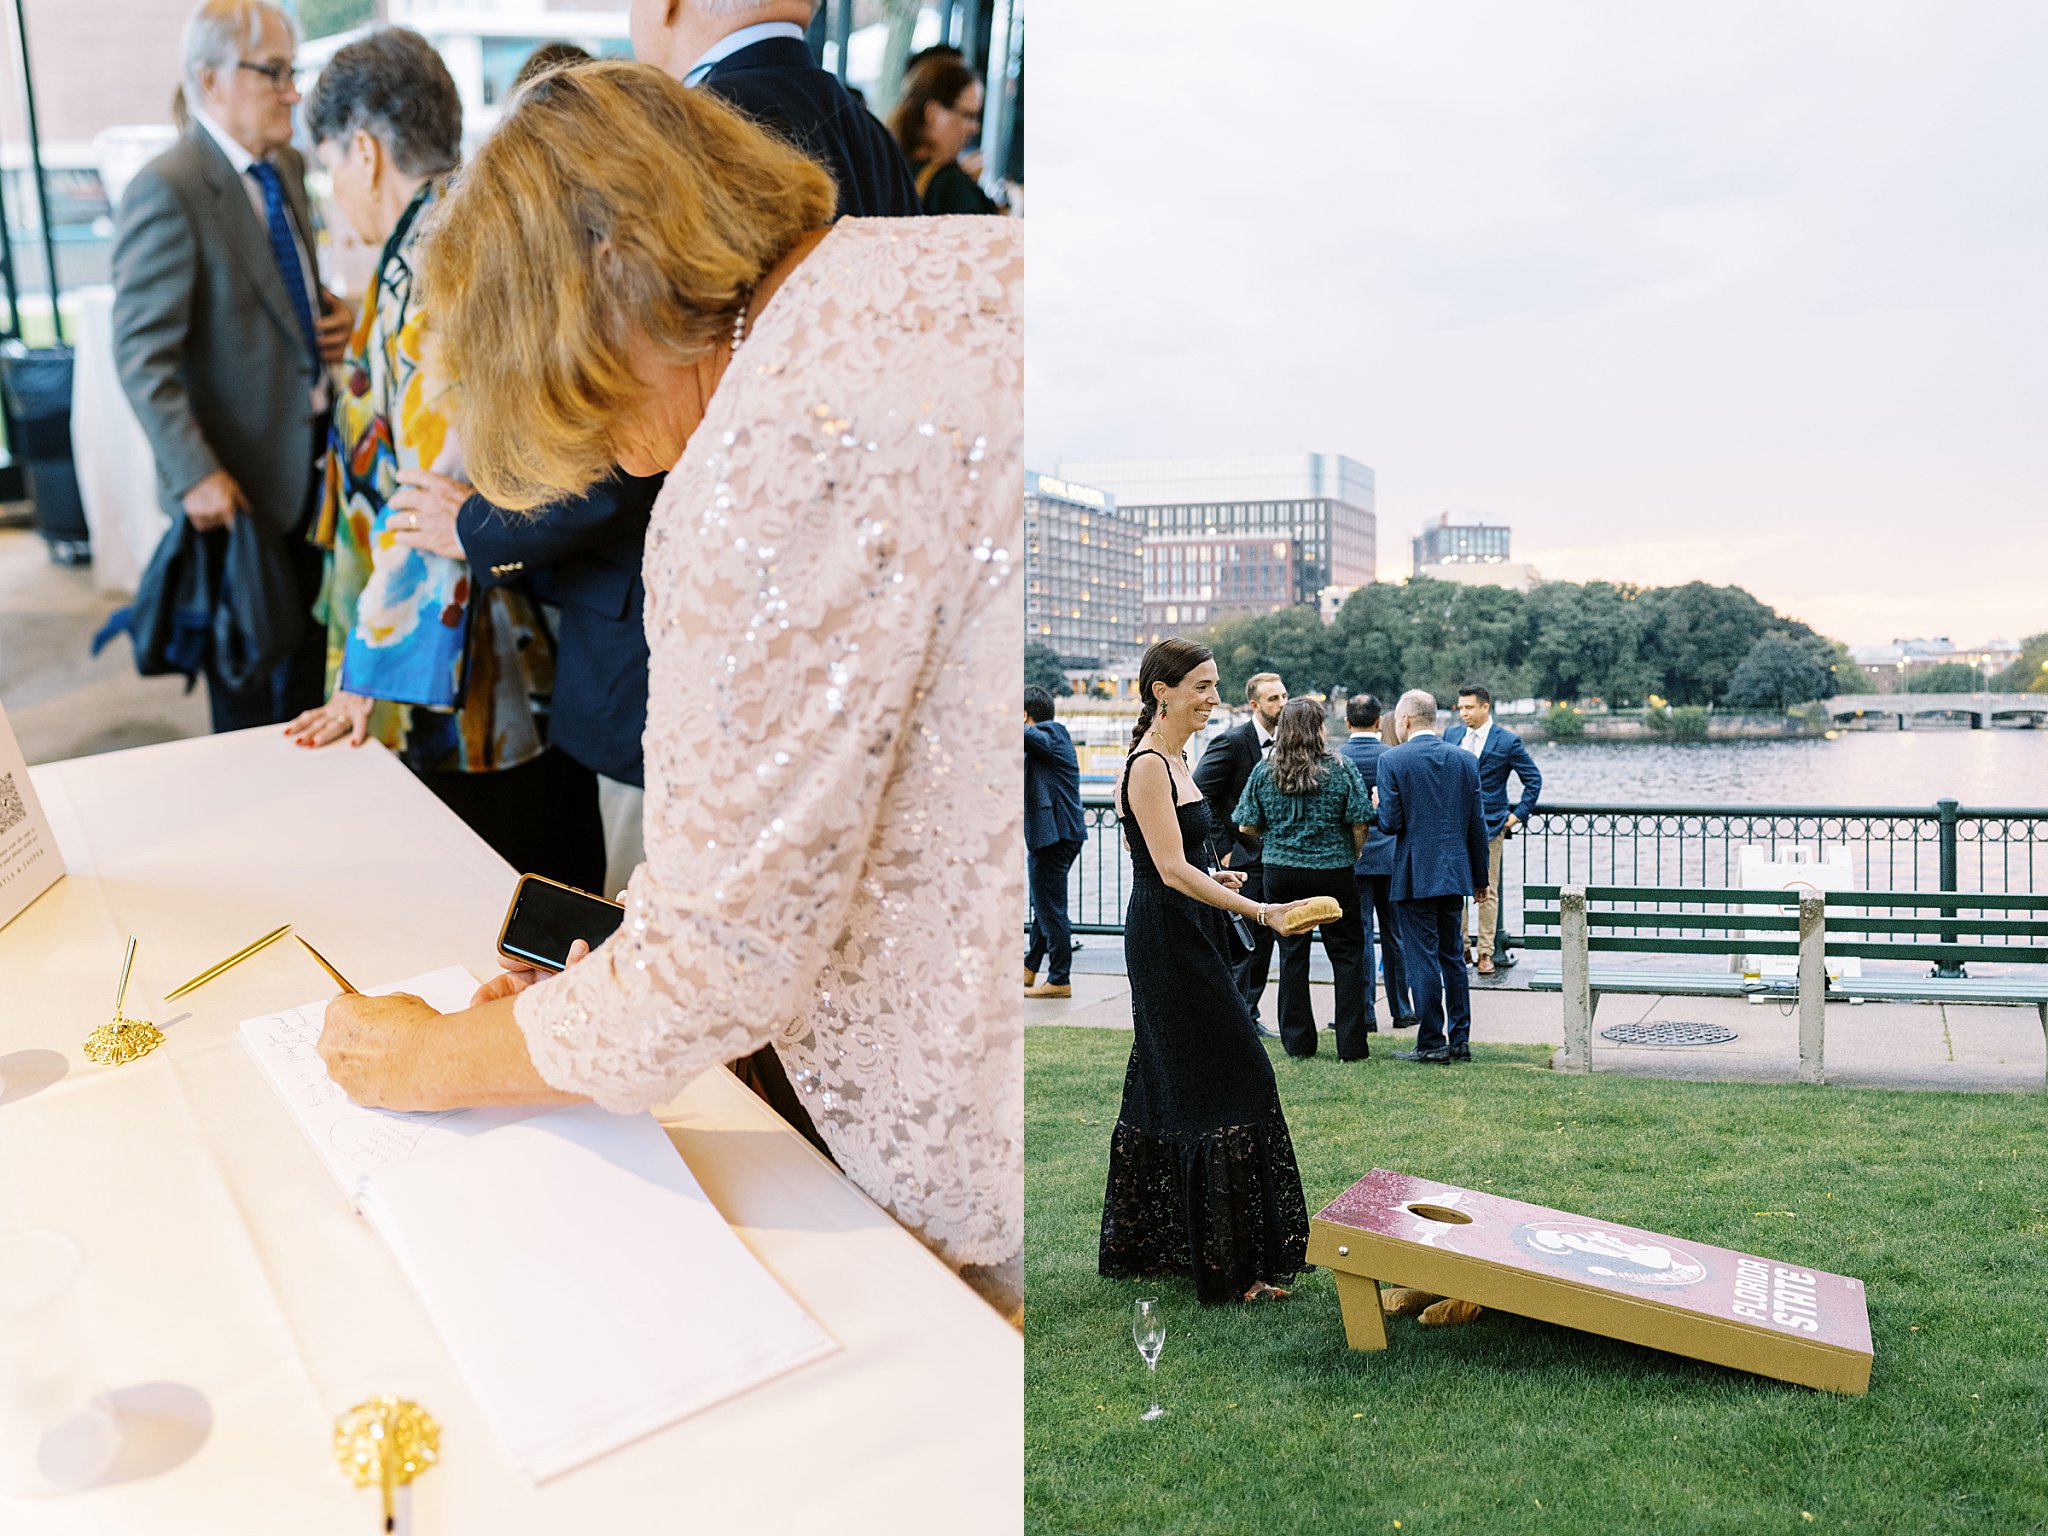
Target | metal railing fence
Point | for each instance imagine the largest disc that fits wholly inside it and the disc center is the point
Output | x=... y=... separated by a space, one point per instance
x=1942 y=847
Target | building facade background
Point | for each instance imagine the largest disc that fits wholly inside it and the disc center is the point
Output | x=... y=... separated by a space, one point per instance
x=1083 y=593
x=1244 y=533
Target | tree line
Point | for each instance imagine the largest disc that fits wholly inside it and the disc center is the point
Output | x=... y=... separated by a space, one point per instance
x=1691 y=645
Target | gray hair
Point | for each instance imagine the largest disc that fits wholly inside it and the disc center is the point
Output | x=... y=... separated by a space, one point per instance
x=392 y=85
x=219 y=34
x=1417 y=704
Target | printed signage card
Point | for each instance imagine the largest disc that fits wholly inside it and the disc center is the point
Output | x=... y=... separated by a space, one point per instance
x=29 y=861
x=1736 y=1309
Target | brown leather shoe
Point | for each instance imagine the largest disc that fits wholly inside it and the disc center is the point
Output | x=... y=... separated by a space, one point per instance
x=1030 y=977
x=1049 y=990
x=1485 y=966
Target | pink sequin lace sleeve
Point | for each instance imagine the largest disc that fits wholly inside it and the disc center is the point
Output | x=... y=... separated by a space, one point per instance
x=834 y=761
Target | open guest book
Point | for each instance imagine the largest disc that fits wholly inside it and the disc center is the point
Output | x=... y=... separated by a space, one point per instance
x=586 y=1288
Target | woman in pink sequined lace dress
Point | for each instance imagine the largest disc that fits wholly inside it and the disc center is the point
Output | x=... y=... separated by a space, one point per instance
x=629 y=273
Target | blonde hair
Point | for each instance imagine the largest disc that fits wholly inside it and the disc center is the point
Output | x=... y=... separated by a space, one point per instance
x=611 y=208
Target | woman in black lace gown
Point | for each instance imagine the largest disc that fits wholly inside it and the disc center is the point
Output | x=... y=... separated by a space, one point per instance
x=1202 y=1179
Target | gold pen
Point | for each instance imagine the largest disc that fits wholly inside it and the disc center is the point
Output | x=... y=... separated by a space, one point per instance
x=321 y=961
x=235 y=959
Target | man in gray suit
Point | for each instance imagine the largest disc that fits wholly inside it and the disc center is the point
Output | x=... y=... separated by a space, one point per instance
x=221 y=329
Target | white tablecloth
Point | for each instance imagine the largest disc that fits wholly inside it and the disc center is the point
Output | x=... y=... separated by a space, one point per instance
x=116 y=470
x=234 y=1290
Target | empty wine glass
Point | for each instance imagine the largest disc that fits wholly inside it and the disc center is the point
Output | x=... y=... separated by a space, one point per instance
x=1148 y=1332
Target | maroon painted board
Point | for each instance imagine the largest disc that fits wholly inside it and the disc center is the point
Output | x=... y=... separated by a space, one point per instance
x=1754 y=1313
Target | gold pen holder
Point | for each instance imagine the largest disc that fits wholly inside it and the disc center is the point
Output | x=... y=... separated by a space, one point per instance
x=386 y=1440
x=122 y=1040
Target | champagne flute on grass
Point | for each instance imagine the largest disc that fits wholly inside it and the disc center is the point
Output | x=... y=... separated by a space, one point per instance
x=1148 y=1332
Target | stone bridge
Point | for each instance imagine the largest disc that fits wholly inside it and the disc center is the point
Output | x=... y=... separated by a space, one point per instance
x=1983 y=709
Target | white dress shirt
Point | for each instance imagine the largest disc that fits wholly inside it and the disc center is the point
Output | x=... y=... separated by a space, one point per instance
x=242 y=160
x=1475 y=741
x=733 y=42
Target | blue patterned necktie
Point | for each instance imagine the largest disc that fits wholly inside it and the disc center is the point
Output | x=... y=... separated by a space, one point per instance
x=286 y=252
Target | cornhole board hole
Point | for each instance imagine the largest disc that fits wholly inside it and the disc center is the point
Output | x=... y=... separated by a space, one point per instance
x=1736 y=1309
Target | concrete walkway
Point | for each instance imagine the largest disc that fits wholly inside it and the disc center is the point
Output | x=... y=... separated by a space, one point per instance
x=1869 y=1045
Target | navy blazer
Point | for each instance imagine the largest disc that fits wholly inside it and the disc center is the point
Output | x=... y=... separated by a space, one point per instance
x=1226 y=763
x=585 y=555
x=1504 y=755
x=1429 y=800
x=776 y=83
x=1363 y=753
x=1052 y=787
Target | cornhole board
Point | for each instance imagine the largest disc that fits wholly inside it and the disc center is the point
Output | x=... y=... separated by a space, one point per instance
x=1736 y=1309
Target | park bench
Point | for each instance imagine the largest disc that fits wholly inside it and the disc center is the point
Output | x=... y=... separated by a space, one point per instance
x=1579 y=921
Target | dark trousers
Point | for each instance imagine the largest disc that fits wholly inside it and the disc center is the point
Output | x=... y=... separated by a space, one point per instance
x=296 y=684
x=1375 y=902
x=1432 y=947
x=541 y=817
x=1343 y=942
x=1250 y=970
x=1052 y=937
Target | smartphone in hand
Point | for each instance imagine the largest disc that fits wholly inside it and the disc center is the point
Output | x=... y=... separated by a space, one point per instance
x=546 y=917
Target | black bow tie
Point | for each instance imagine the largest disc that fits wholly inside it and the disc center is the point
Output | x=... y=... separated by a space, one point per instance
x=1266 y=745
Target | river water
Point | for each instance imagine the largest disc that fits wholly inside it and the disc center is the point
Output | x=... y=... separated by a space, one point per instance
x=1983 y=770
x=2002 y=768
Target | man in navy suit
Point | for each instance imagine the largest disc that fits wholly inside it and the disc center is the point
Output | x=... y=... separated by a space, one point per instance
x=1498 y=752
x=754 y=57
x=1054 y=830
x=1375 y=867
x=1429 y=800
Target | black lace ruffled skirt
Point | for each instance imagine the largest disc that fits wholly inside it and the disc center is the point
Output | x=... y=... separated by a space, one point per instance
x=1202 y=1177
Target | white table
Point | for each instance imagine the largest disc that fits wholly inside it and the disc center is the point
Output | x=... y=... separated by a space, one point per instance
x=236 y=1293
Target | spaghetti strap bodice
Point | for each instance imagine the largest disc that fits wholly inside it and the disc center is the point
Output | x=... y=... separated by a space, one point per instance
x=1193 y=816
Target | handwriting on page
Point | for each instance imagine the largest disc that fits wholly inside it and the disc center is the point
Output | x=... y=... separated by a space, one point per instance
x=352 y=1140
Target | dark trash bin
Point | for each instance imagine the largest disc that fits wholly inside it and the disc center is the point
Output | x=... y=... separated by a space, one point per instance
x=38 y=385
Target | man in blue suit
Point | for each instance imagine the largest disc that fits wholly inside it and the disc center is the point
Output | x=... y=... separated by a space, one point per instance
x=1054 y=830
x=1498 y=752
x=1375 y=867
x=1429 y=801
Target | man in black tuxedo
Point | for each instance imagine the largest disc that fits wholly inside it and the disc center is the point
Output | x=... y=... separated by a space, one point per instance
x=1220 y=776
x=1429 y=800
x=1054 y=830
x=1375 y=867
x=754 y=57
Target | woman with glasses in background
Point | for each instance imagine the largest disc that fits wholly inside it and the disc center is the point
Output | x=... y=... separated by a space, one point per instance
x=937 y=116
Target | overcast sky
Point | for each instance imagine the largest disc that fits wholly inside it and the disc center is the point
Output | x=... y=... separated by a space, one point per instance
x=1751 y=293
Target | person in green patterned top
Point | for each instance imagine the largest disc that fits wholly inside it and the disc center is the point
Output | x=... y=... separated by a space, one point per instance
x=1312 y=809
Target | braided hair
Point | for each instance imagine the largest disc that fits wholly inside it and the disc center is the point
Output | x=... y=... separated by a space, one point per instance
x=1168 y=661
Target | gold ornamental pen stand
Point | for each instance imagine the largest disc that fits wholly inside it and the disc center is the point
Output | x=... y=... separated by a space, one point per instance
x=123 y=1039
x=388 y=1441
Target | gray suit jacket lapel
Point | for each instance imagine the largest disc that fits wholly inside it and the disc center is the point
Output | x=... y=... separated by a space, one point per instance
x=246 y=236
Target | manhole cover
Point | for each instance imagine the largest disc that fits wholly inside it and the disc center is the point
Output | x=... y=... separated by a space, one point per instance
x=1669 y=1032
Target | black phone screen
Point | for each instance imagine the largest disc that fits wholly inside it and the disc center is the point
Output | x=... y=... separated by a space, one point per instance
x=546 y=919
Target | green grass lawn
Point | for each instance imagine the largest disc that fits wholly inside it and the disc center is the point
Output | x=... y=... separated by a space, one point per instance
x=1937 y=1201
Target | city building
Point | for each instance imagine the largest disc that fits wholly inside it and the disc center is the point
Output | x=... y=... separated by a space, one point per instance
x=1891 y=665
x=1446 y=543
x=1245 y=533
x=1083 y=593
